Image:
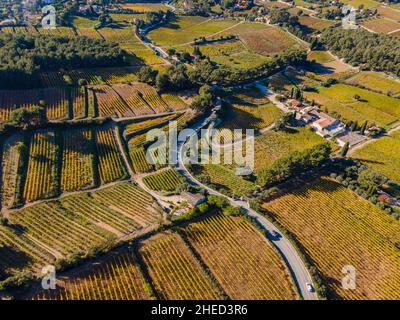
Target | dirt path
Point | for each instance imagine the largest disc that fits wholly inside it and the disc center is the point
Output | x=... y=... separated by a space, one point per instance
x=122 y=152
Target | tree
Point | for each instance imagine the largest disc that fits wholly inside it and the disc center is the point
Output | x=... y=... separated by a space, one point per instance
x=364 y=127
x=370 y=177
x=162 y=81
x=345 y=149
x=147 y=74
x=28 y=117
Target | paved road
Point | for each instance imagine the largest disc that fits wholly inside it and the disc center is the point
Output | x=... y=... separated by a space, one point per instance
x=292 y=259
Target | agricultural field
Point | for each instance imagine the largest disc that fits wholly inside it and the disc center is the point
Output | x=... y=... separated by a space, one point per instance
x=151 y=97
x=231 y=53
x=372 y=107
x=41 y=173
x=320 y=56
x=381 y=25
x=335 y=228
x=242 y=261
x=139 y=160
x=75 y=224
x=173 y=269
x=110 y=164
x=185 y=29
x=77 y=160
x=376 y=81
x=247 y=116
x=144 y=7
x=131 y=201
x=117 y=278
x=165 y=180
x=382 y=155
x=367 y=4
x=83 y=22
x=133 y=99
x=226 y=179
x=389 y=13
x=273 y=145
x=85 y=206
x=19 y=253
x=55 y=100
x=9 y=168
x=110 y=104
x=174 y=102
x=315 y=24
x=118 y=34
x=269 y=41
x=63 y=232
x=133 y=127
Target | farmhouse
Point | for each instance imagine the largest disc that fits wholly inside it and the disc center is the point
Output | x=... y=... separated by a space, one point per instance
x=328 y=127
x=193 y=199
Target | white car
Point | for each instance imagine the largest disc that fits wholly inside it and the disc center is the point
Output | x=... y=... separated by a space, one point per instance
x=310 y=287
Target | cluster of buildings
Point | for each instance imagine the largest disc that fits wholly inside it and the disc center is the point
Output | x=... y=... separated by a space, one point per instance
x=323 y=124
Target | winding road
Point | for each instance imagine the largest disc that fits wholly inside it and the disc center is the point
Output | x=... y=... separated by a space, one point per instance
x=295 y=264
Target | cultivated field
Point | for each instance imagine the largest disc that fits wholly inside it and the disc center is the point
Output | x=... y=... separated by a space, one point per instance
x=166 y=180
x=336 y=228
x=382 y=155
x=144 y=7
x=9 y=167
x=381 y=25
x=111 y=166
x=119 y=278
x=373 y=107
x=376 y=81
x=245 y=116
x=225 y=178
x=41 y=173
x=320 y=56
x=77 y=160
x=75 y=225
x=242 y=261
x=269 y=41
x=315 y=24
x=274 y=145
x=185 y=29
x=173 y=269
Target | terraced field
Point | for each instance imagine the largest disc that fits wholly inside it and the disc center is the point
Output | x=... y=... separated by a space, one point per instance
x=337 y=228
x=174 y=271
x=242 y=261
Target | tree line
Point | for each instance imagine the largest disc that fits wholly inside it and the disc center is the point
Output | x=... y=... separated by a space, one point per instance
x=23 y=56
x=362 y=48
